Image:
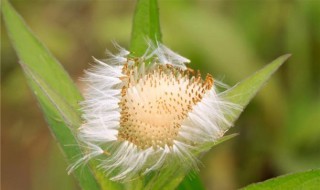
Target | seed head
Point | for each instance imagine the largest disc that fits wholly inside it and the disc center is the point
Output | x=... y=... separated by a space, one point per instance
x=148 y=112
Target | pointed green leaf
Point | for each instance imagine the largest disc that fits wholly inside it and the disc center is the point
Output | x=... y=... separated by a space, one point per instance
x=308 y=180
x=145 y=26
x=34 y=54
x=59 y=115
x=54 y=89
x=207 y=146
x=70 y=117
x=243 y=92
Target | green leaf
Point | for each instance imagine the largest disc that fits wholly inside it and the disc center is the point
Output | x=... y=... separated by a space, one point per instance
x=34 y=54
x=243 y=92
x=54 y=89
x=67 y=113
x=145 y=26
x=191 y=183
x=308 y=180
x=207 y=146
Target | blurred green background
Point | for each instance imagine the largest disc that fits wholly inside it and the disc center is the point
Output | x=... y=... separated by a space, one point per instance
x=279 y=131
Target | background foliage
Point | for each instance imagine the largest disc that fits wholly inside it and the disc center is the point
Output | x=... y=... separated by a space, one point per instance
x=279 y=132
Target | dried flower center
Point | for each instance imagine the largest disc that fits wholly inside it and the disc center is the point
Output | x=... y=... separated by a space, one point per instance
x=154 y=105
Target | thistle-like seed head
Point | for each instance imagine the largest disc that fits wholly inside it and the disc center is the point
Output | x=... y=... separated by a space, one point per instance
x=148 y=112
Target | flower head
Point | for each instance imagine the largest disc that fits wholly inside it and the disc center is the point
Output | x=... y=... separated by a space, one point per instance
x=148 y=112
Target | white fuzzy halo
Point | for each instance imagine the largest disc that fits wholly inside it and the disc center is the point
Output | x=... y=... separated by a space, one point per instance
x=204 y=122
